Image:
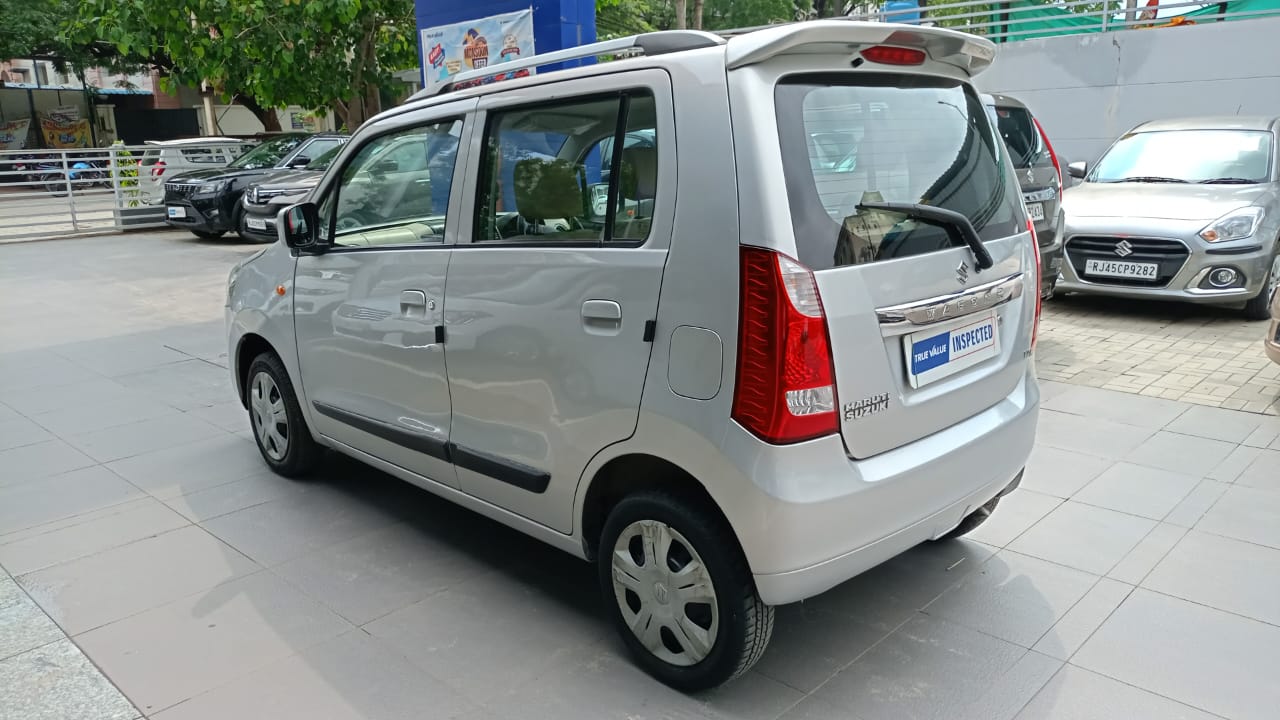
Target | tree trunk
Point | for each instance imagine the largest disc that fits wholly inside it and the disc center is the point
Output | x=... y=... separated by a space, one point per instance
x=697 y=13
x=682 y=9
x=267 y=116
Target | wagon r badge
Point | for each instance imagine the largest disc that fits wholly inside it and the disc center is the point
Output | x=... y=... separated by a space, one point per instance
x=962 y=273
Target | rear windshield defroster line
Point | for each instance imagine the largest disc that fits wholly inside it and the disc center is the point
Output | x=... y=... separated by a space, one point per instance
x=851 y=139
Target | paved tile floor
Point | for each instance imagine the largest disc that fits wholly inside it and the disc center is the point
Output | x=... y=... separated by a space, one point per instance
x=1202 y=355
x=152 y=569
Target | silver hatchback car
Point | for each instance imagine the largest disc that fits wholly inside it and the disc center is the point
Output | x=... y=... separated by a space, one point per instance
x=1180 y=210
x=733 y=378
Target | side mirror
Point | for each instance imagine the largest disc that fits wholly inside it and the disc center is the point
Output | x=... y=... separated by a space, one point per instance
x=300 y=161
x=299 y=226
x=1078 y=170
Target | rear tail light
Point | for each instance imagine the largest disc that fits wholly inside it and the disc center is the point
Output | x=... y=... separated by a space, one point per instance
x=890 y=55
x=1052 y=155
x=1035 y=243
x=158 y=169
x=786 y=389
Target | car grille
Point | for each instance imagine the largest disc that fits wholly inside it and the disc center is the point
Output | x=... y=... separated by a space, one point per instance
x=1170 y=255
x=178 y=191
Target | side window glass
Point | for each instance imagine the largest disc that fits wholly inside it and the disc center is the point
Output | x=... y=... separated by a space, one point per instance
x=396 y=189
x=550 y=173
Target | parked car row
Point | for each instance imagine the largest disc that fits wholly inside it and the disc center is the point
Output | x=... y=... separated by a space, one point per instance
x=208 y=202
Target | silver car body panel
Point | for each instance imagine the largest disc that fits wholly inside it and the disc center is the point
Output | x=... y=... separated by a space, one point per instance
x=808 y=516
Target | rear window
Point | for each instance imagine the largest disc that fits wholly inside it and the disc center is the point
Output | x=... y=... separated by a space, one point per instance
x=1020 y=135
x=873 y=138
x=150 y=157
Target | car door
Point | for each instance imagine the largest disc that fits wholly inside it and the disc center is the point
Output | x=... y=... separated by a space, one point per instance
x=369 y=312
x=548 y=302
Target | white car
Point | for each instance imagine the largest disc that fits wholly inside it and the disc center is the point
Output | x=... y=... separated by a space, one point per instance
x=172 y=157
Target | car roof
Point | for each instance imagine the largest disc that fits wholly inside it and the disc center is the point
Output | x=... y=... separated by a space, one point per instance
x=192 y=141
x=662 y=49
x=1211 y=122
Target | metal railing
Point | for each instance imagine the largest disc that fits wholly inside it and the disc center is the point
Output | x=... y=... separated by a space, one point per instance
x=1026 y=19
x=79 y=191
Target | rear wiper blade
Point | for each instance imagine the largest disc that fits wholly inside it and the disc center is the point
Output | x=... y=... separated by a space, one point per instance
x=950 y=219
x=1150 y=179
x=1229 y=181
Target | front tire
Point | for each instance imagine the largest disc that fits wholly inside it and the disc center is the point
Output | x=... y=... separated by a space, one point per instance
x=680 y=593
x=206 y=235
x=1259 y=308
x=276 y=418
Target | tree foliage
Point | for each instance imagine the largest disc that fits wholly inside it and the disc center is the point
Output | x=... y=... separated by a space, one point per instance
x=264 y=53
x=34 y=29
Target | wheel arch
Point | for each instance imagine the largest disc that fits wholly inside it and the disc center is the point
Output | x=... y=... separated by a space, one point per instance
x=251 y=345
x=635 y=472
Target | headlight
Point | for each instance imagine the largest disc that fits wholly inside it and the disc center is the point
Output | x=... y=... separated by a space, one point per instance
x=1235 y=225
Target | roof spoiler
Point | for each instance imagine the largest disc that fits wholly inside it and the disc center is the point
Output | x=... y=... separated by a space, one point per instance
x=967 y=52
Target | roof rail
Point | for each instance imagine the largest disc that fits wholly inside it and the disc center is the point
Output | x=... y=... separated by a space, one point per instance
x=654 y=43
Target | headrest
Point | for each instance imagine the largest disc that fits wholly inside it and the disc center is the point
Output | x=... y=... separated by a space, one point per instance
x=640 y=173
x=548 y=189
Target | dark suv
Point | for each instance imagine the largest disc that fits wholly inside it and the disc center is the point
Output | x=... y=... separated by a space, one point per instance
x=1039 y=176
x=207 y=202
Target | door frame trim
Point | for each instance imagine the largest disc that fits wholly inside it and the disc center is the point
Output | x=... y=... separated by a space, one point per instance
x=414 y=441
x=512 y=473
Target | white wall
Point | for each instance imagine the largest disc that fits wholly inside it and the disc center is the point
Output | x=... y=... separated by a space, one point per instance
x=1089 y=89
x=238 y=120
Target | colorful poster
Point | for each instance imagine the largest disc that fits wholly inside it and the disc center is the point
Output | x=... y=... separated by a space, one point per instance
x=64 y=134
x=13 y=135
x=450 y=49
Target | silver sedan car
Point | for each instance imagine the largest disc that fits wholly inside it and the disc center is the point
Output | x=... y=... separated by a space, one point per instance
x=1179 y=210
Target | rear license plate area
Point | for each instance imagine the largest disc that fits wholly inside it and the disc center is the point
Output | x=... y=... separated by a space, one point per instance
x=944 y=351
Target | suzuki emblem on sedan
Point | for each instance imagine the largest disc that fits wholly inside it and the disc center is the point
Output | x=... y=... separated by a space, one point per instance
x=962 y=273
x=1124 y=249
x=1031 y=176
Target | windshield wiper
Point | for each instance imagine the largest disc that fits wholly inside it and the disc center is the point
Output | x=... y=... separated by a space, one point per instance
x=1229 y=181
x=1147 y=179
x=956 y=222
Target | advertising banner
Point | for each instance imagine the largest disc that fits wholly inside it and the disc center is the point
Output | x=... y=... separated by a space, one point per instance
x=450 y=49
x=65 y=134
x=13 y=135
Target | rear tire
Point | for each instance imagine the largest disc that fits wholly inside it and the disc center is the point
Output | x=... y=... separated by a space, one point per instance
x=276 y=418
x=698 y=620
x=972 y=521
x=206 y=235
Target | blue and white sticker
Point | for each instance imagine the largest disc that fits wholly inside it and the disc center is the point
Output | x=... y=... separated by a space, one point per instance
x=934 y=354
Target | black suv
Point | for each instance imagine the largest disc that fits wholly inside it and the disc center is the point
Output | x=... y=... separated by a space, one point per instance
x=207 y=202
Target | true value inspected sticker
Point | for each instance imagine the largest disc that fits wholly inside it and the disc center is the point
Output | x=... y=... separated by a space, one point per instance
x=934 y=354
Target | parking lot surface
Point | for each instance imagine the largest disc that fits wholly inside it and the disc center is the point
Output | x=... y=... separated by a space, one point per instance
x=152 y=568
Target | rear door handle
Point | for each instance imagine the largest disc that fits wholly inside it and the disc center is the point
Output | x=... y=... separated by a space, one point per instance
x=413 y=304
x=602 y=317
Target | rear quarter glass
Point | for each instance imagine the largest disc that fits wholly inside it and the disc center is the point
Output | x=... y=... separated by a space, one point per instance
x=853 y=138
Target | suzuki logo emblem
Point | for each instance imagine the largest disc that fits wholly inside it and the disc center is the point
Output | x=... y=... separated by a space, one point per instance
x=1124 y=249
x=962 y=273
x=1031 y=176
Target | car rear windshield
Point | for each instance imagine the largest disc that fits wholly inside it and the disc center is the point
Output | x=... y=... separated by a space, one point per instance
x=1188 y=156
x=876 y=138
x=1020 y=136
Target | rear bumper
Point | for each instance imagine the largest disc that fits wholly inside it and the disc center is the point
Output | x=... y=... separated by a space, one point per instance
x=859 y=513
